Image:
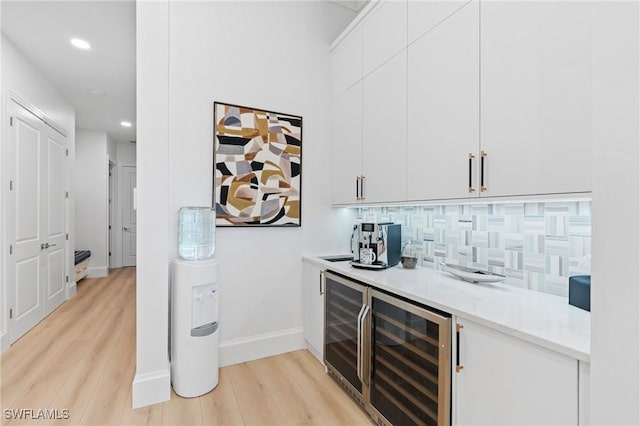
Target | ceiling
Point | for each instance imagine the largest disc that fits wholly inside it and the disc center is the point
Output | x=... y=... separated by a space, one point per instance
x=101 y=82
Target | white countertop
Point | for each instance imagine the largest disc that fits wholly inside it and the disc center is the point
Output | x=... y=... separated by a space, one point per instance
x=539 y=318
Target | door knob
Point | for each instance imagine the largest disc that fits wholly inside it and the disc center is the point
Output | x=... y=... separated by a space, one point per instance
x=126 y=229
x=46 y=246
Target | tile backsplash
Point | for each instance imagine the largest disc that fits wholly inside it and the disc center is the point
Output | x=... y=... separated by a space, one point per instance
x=538 y=245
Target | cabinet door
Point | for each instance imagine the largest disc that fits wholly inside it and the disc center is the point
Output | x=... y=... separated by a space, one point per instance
x=536 y=97
x=507 y=381
x=443 y=109
x=384 y=34
x=385 y=132
x=423 y=16
x=346 y=64
x=313 y=302
x=347 y=144
x=584 y=393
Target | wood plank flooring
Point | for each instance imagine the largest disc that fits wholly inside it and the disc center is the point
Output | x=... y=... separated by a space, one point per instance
x=81 y=358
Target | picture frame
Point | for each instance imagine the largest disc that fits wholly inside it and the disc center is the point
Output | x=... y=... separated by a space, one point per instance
x=257 y=171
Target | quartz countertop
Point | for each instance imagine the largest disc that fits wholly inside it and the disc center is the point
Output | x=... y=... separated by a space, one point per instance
x=544 y=319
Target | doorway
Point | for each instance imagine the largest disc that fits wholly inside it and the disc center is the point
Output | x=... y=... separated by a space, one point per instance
x=111 y=218
x=128 y=178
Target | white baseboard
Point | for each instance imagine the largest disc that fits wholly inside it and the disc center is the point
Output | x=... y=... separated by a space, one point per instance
x=4 y=342
x=73 y=289
x=315 y=352
x=151 y=388
x=97 y=271
x=261 y=346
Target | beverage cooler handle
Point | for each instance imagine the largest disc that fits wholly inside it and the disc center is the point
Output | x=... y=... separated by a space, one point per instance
x=359 y=343
x=363 y=377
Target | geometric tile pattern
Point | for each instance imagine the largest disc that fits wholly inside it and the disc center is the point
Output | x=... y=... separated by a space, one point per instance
x=257 y=167
x=537 y=245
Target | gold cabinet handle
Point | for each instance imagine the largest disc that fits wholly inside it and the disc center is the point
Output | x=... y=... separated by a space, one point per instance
x=458 y=366
x=483 y=154
x=471 y=157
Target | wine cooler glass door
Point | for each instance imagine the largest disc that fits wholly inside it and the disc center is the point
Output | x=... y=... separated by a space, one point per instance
x=345 y=302
x=410 y=363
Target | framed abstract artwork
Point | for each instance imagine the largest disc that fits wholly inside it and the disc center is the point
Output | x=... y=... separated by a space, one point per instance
x=257 y=166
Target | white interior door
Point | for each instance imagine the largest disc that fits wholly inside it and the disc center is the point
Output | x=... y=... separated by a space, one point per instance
x=36 y=206
x=55 y=242
x=25 y=233
x=128 y=216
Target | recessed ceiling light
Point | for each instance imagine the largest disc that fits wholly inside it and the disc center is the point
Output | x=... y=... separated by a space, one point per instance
x=97 y=92
x=80 y=44
x=125 y=124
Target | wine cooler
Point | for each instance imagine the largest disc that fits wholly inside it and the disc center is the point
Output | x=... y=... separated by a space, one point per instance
x=392 y=356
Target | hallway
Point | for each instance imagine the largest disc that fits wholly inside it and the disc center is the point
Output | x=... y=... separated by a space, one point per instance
x=81 y=358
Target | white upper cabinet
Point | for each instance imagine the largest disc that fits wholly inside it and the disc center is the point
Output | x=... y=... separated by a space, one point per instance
x=536 y=97
x=460 y=99
x=424 y=15
x=346 y=145
x=443 y=111
x=384 y=34
x=346 y=64
x=385 y=132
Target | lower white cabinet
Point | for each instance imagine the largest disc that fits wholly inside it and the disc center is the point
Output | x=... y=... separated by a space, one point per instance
x=313 y=303
x=584 y=393
x=502 y=380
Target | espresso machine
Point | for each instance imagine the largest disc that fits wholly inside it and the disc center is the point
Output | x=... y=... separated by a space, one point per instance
x=375 y=245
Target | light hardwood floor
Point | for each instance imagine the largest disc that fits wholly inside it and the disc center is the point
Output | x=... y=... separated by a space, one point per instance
x=81 y=358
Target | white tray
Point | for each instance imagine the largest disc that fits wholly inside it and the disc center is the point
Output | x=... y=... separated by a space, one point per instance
x=472 y=275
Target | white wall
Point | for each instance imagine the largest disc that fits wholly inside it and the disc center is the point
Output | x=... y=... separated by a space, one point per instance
x=126 y=154
x=22 y=78
x=112 y=198
x=91 y=187
x=615 y=291
x=287 y=71
x=112 y=147
x=278 y=61
x=151 y=383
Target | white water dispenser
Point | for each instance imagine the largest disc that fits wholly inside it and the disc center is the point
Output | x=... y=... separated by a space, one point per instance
x=194 y=327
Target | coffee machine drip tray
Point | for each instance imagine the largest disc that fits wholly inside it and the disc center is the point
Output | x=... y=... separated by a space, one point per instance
x=374 y=265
